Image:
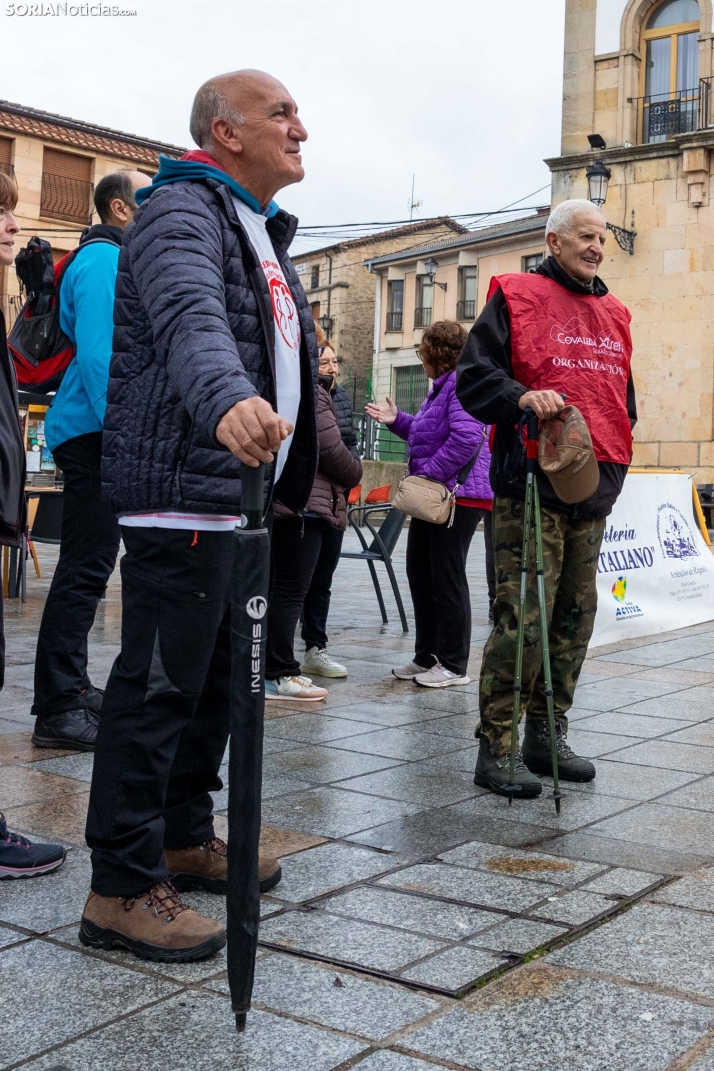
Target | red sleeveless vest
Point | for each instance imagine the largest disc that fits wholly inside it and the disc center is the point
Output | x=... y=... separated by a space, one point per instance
x=578 y=345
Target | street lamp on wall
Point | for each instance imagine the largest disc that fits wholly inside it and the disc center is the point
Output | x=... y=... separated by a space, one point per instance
x=431 y=265
x=598 y=176
x=325 y=323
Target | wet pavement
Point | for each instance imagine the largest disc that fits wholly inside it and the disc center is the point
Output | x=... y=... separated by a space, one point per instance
x=421 y=922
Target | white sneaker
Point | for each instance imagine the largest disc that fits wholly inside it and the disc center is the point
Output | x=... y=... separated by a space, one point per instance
x=318 y=661
x=438 y=677
x=300 y=689
x=408 y=672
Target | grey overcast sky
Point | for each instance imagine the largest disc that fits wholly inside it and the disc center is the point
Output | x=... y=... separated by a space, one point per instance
x=464 y=93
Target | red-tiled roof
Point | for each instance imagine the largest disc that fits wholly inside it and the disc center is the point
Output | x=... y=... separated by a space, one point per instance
x=18 y=119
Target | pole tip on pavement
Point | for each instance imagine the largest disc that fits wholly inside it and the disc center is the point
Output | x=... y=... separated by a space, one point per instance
x=240 y=1022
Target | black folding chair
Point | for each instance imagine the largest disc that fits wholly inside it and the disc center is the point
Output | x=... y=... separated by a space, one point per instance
x=384 y=540
x=46 y=528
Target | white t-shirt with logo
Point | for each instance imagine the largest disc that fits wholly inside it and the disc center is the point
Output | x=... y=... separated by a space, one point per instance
x=287 y=374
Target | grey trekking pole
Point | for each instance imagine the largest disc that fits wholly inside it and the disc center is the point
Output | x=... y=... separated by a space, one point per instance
x=249 y=603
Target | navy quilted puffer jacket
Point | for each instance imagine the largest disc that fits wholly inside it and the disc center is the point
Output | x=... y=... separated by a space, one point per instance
x=442 y=437
x=193 y=335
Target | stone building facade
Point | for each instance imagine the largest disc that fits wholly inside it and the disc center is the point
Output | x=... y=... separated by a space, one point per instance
x=639 y=74
x=57 y=162
x=339 y=285
x=408 y=301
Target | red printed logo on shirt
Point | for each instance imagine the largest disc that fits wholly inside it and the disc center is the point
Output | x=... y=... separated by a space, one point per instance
x=284 y=311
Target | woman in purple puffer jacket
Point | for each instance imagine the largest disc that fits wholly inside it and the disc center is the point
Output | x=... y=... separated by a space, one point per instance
x=442 y=438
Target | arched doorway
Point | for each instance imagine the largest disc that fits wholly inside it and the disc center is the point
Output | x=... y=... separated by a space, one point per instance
x=670 y=69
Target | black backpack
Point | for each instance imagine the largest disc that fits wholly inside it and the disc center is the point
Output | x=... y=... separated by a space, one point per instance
x=38 y=345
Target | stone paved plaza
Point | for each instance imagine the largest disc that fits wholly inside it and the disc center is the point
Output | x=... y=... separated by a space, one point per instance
x=420 y=922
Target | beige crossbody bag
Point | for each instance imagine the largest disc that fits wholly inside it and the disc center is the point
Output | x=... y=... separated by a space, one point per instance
x=430 y=500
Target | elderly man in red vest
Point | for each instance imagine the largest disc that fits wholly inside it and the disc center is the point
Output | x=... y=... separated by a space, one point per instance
x=556 y=331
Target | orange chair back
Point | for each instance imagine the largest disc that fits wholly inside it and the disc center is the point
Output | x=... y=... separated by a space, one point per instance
x=378 y=495
x=354 y=495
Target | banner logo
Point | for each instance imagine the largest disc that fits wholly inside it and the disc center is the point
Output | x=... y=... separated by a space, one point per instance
x=619 y=589
x=674 y=534
x=256 y=607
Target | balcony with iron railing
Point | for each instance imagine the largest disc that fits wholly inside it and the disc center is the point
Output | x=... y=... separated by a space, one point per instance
x=465 y=310
x=64 y=198
x=394 y=321
x=661 y=116
x=422 y=316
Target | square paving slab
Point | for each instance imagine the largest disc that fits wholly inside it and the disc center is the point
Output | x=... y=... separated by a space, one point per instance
x=621 y=882
x=521 y=864
x=662 y=827
x=695 y=890
x=699 y=795
x=374 y=947
x=404 y=743
x=197 y=1030
x=433 y=918
x=551 y=1022
x=626 y=780
x=411 y=782
x=55 y=996
x=640 y=725
x=431 y=832
x=455 y=969
x=78 y=766
x=594 y=745
x=625 y=853
x=331 y=866
x=518 y=936
x=369 y=1008
x=576 y=808
x=330 y=812
x=473 y=886
x=574 y=908
x=314 y=727
x=323 y=764
x=385 y=1060
x=669 y=755
x=653 y=944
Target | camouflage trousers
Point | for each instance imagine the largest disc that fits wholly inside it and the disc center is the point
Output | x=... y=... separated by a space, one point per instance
x=570 y=557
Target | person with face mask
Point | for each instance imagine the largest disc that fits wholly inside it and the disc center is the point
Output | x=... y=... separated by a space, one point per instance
x=316 y=606
x=305 y=544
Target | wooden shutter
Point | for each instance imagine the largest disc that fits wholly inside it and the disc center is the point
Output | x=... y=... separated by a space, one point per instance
x=66 y=186
x=5 y=150
x=67 y=164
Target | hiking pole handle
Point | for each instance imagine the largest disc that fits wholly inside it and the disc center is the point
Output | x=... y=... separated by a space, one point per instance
x=531 y=439
x=252 y=496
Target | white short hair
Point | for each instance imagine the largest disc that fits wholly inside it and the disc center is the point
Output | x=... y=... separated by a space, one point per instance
x=562 y=219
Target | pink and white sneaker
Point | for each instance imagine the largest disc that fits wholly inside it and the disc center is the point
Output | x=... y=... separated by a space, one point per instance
x=21 y=858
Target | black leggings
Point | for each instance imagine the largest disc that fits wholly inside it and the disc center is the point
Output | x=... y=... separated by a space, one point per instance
x=295 y=549
x=436 y=570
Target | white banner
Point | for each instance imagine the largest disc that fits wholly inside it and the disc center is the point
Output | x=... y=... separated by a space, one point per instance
x=655 y=572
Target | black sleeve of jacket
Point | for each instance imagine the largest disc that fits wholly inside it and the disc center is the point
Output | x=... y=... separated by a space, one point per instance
x=484 y=376
x=336 y=460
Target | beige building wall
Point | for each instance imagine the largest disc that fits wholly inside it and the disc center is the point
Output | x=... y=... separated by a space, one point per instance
x=494 y=256
x=663 y=191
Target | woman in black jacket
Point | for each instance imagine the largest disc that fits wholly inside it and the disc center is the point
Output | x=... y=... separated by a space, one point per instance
x=316 y=607
x=19 y=858
x=297 y=546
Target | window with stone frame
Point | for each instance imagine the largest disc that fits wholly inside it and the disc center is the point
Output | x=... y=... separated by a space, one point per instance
x=395 y=304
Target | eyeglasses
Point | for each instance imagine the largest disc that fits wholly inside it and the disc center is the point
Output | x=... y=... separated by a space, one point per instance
x=321 y=350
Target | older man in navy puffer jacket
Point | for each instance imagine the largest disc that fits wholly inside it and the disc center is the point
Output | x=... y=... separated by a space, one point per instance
x=214 y=364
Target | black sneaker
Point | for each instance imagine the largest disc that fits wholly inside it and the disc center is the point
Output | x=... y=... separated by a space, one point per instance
x=72 y=730
x=20 y=858
x=93 y=697
x=493 y=771
x=536 y=753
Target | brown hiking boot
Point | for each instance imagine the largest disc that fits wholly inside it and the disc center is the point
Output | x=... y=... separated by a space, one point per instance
x=205 y=866
x=155 y=925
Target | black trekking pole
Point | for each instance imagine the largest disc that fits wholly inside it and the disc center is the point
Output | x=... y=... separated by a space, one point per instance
x=249 y=603
x=531 y=512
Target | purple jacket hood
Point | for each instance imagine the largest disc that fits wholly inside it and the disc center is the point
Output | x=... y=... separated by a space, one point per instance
x=442 y=437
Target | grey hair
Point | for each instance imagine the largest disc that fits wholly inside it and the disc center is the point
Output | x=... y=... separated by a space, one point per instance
x=562 y=219
x=210 y=103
